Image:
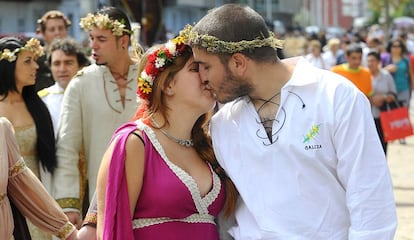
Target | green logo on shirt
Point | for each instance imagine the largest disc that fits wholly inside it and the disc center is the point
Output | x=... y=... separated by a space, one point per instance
x=311 y=134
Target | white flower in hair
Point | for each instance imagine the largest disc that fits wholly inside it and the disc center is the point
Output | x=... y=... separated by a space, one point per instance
x=160 y=62
x=171 y=46
x=147 y=77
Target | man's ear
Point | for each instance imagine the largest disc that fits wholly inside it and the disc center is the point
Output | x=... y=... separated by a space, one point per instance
x=238 y=63
x=124 y=41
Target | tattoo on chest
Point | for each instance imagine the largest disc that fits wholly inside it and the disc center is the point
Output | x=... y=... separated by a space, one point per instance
x=267 y=109
x=267 y=124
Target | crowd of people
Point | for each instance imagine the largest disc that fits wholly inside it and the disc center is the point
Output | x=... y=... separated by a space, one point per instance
x=349 y=55
x=221 y=132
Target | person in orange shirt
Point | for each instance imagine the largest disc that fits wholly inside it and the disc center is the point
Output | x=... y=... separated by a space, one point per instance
x=354 y=71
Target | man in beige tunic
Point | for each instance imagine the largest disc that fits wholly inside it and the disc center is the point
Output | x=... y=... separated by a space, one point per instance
x=99 y=99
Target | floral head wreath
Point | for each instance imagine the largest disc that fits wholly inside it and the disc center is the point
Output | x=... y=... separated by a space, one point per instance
x=102 y=21
x=215 y=45
x=157 y=62
x=52 y=14
x=33 y=45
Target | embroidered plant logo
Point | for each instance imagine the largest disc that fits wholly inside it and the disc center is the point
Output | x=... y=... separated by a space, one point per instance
x=311 y=134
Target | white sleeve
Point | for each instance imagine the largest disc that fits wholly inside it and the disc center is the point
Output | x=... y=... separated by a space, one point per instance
x=363 y=170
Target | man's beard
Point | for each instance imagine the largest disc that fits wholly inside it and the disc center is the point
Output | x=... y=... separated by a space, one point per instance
x=232 y=88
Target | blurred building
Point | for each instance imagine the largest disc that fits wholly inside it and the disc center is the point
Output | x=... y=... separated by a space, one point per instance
x=19 y=17
x=167 y=17
x=325 y=13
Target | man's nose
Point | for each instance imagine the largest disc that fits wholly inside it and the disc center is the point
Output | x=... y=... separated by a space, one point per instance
x=62 y=68
x=203 y=77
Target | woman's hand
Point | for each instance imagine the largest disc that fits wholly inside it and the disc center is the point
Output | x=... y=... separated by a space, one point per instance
x=87 y=233
x=73 y=236
x=391 y=68
x=378 y=100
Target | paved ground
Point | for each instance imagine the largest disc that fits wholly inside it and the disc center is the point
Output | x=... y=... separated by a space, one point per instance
x=401 y=162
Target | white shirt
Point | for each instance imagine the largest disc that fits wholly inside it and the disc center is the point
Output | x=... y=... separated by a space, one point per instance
x=324 y=177
x=318 y=61
x=52 y=97
x=330 y=59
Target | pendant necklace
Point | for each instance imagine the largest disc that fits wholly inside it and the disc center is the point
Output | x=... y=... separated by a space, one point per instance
x=183 y=142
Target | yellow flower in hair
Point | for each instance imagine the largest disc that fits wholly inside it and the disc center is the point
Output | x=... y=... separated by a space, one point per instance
x=144 y=86
x=157 y=62
x=178 y=40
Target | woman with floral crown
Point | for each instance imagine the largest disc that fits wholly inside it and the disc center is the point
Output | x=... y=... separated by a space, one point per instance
x=160 y=170
x=33 y=129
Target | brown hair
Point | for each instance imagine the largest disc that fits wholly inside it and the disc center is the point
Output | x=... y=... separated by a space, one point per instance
x=234 y=23
x=199 y=133
x=52 y=14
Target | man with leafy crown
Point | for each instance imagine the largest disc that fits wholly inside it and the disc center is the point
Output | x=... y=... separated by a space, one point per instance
x=99 y=99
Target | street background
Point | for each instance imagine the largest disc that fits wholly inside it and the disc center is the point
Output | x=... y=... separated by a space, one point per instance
x=401 y=162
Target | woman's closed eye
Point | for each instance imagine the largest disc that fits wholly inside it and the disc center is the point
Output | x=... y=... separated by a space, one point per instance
x=194 y=67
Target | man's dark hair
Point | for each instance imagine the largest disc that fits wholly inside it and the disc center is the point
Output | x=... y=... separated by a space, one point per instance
x=353 y=48
x=375 y=54
x=71 y=48
x=234 y=23
x=116 y=14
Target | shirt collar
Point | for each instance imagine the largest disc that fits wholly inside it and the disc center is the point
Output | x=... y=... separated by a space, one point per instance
x=303 y=74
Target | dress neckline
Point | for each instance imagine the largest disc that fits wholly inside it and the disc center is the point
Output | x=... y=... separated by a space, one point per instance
x=201 y=203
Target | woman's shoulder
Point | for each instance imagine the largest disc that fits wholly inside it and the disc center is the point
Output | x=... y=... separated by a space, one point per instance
x=127 y=129
x=6 y=129
x=5 y=124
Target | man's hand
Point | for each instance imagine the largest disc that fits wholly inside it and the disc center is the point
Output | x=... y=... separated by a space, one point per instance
x=74 y=218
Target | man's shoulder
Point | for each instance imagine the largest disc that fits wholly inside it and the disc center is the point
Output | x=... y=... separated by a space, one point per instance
x=365 y=70
x=43 y=93
x=230 y=110
x=89 y=71
x=52 y=90
x=337 y=68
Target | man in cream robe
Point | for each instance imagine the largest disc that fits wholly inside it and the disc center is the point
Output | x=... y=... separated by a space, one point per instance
x=98 y=100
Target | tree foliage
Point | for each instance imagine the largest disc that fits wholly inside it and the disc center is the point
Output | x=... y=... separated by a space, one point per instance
x=397 y=8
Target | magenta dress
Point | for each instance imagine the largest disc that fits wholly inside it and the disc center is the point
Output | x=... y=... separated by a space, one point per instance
x=169 y=205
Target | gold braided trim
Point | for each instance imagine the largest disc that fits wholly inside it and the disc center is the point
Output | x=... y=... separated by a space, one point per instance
x=17 y=168
x=69 y=203
x=91 y=218
x=2 y=197
x=65 y=231
x=214 y=45
x=194 y=218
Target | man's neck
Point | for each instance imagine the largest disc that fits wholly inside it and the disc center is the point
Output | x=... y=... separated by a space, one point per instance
x=270 y=79
x=121 y=67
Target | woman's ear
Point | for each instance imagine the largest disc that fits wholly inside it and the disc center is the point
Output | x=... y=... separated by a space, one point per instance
x=169 y=90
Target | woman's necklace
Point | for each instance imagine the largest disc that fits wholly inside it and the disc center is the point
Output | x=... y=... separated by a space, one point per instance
x=183 y=142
